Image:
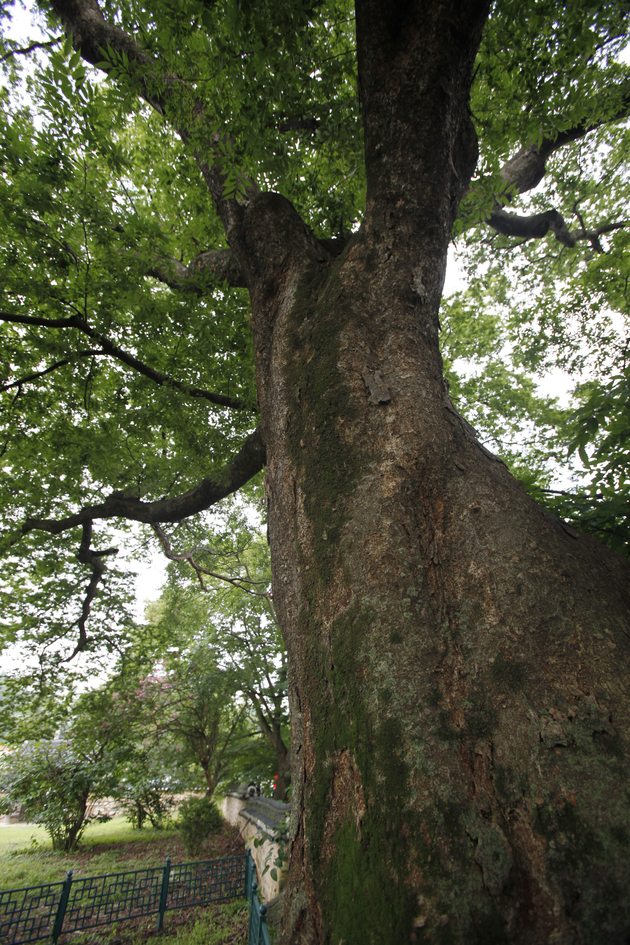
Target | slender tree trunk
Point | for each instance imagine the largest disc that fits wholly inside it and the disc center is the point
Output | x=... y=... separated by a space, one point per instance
x=210 y=781
x=272 y=731
x=74 y=831
x=458 y=657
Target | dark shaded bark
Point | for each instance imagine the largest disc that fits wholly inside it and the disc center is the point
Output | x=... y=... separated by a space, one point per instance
x=284 y=775
x=539 y=224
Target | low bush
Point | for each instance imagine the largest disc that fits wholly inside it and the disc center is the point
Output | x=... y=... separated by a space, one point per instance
x=199 y=818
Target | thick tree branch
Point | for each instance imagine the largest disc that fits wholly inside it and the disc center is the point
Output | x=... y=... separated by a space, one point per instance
x=539 y=224
x=218 y=264
x=527 y=168
x=92 y=35
x=109 y=348
x=249 y=460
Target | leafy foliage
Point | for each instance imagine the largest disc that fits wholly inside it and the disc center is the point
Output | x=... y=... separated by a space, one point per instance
x=198 y=818
x=52 y=781
x=234 y=619
x=102 y=205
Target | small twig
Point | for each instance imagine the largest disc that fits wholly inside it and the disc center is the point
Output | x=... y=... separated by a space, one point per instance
x=57 y=364
x=27 y=49
x=114 y=351
x=189 y=556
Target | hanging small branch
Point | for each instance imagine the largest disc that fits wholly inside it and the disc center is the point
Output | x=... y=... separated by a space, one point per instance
x=24 y=50
x=87 y=556
x=243 y=583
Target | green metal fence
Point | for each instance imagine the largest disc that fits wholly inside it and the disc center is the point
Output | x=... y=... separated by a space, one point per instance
x=44 y=912
x=258 y=933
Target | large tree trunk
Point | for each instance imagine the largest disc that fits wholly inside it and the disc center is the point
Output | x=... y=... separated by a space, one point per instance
x=458 y=657
x=283 y=778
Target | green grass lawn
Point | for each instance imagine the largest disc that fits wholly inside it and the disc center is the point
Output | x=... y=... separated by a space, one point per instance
x=27 y=859
x=25 y=837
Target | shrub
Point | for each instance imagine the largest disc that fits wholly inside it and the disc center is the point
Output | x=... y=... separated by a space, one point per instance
x=53 y=783
x=199 y=817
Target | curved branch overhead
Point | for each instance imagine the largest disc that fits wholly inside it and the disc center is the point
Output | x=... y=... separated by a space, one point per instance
x=108 y=347
x=249 y=460
x=526 y=169
x=441 y=628
x=539 y=224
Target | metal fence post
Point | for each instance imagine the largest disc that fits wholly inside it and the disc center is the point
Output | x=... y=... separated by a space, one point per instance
x=163 y=893
x=250 y=871
x=258 y=933
x=252 y=938
x=263 y=932
x=61 y=908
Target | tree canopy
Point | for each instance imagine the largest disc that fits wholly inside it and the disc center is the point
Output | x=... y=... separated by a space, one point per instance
x=128 y=373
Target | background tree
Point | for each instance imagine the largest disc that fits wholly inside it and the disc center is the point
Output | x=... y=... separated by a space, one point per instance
x=55 y=780
x=188 y=706
x=235 y=620
x=459 y=706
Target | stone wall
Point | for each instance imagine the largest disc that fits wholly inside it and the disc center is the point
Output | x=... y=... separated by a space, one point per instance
x=255 y=817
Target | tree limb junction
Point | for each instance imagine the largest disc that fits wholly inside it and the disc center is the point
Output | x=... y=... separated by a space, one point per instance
x=93 y=353
x=219 y=264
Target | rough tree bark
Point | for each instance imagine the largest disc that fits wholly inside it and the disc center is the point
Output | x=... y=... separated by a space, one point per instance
x=458 y=657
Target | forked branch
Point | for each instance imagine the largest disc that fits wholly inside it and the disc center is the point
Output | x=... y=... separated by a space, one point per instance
x=525 y=170
x=35 y=376
x=539 y=224
x=245 y=584
x=86 y=555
